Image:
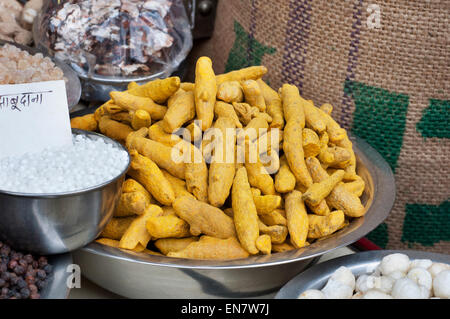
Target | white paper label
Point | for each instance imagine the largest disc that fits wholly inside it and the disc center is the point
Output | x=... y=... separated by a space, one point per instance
x=33 y=116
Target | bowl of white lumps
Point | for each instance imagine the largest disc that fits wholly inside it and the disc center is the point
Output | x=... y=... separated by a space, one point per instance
x=60 y=199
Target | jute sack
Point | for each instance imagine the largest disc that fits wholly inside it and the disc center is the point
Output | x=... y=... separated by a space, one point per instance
x=384 y=66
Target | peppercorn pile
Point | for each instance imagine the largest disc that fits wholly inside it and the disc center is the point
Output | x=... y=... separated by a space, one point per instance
x=22 y=276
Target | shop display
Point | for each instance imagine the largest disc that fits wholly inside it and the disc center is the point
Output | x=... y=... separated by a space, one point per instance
x=22 y=276
x=210 y=201
x=18 y=66
x=395 y=277
x=88 y=163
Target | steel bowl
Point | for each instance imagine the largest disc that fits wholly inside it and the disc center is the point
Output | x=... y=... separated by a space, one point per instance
x=138 y=275
x=57 y=287
x=360 y=263
x=48 y=224
x=73 y=84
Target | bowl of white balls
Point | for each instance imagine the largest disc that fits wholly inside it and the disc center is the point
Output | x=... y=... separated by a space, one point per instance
x=60 y=199
x=378 y=274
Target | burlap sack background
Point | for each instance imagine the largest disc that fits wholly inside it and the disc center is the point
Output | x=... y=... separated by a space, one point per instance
x=388 y=85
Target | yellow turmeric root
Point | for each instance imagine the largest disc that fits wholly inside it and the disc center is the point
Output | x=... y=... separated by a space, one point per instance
x=230 y=92
x=284 y=179
x=292 y=104
x=168 y=226
x=131 y=102
x=223 y=109
x=253 y=94
x=297 y=218
x=85 y=122
x=113 y=129
x=212 y=248
x=116 y=227
x=140 y=119
x=273 y=103
x=245 y=214
x=319 y=191
x=277 y=233
x=205 y=92
x=264 y=244
x=181 y=108
x=249 y=73
x=146 y=172
x=158 y=90
x=170 y=245
x=311 y=143
x=320 y=226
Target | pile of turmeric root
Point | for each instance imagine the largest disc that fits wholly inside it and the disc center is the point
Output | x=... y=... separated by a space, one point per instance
x=202 y=208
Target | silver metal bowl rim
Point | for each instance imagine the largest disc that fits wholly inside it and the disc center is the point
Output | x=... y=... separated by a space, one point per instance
x=67 y=70
x=359 y=258
x=387 y=189
x=85 y=190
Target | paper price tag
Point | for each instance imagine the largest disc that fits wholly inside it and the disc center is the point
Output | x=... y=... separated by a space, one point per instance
x=33 y=116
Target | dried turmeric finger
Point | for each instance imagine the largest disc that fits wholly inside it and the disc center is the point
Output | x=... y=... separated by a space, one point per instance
x=249 y=73
x=253 y=94
x=277 y=233
x=273 y=103
x=131 y=204
x=264 y=244
x=146 y=172
x=157 y=134
x=204 y=218
x=205 y=92
x=230 y=92
x=131 y=102
x=212 y=248
x=132 y=85
x=283 y=247
x=181 y=108
x=168 y=226
x=108 y=242
x=158 y=90
x=312 y=117
x=265 y=204
x=245 y=214
x=292 y=104
x=222 y=169
x=319 y=191
x=187 y=86
x=245 y=112
x=196 y=172
x=284 y=179
x=159 y=153
x=116 y=227
x=327 y=108
x=350 y=170
x=131 y=186
x=113 y=129
x=356 y=187
x=311 y=143
x=293 y=150
x=270 y=141
x=320 y=226
x=195 y=132
x=325 y=156
x=273 y=218
x=140 y=119
x=334 y=130
x=297 y=218
x=85 y=122
x=223 y=109
x=124 y=117
x=256 y=127
x=321 y=209
x=257 y=174
x=178 y=185
x=341 y=157
x=170 y=245
x=137 y=232
x=339 y=198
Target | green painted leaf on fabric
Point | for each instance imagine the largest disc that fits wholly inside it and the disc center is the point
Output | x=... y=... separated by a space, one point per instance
x=435 y=121
x=246 y=50
x=379 y=118
x=426 y=224
x=379 y=235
